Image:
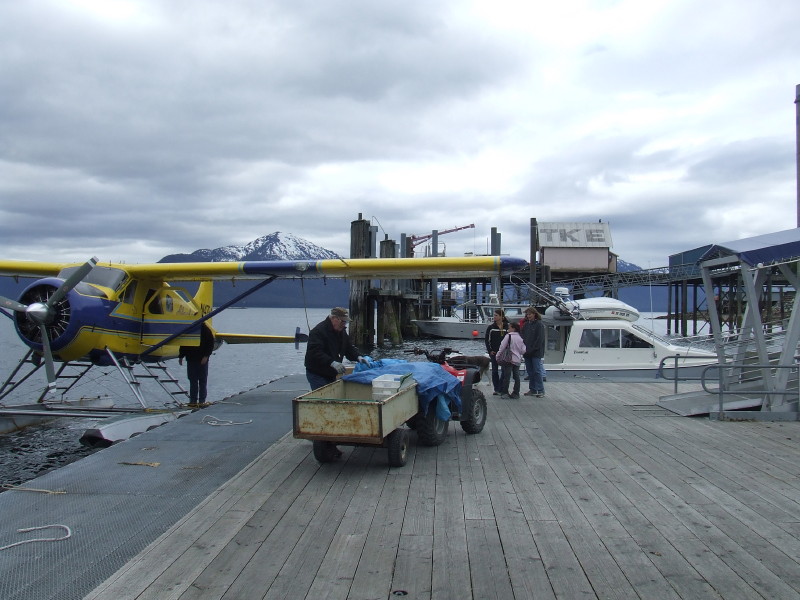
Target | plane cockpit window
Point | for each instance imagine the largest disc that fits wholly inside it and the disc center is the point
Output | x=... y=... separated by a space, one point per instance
x=130 y=293
x=154 y=305
x=169 y=301
x=84 y=289
x=108 y=277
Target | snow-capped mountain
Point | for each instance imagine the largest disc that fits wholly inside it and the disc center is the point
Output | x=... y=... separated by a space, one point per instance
x=315 y=293
x=625 y=267
x=275 y=246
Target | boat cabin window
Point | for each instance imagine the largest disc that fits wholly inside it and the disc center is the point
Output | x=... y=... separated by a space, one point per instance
x=590 y=338
x=631 y=340
x=611 y=338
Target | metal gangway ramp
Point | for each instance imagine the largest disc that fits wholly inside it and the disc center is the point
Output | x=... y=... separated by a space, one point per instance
x=757 y=362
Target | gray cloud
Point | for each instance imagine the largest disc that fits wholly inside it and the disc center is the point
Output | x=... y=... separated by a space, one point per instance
x=137 y=129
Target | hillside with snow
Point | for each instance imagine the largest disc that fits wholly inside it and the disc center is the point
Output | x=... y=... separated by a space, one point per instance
x=275 y=246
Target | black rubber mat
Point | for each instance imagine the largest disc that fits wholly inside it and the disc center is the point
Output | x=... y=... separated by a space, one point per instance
x=118 y=500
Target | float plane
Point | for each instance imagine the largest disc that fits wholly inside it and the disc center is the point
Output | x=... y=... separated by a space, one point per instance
x=129 y=314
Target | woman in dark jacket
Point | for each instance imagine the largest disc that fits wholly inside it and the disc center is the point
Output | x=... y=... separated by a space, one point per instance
x=533 y=334
x=494 y=335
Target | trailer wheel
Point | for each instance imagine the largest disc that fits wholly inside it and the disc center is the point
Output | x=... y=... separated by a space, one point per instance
x=325 y=452
x=477 y=418
x=397 y=442
x=431 y=430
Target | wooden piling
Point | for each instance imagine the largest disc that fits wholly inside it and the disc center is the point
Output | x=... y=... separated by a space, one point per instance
x=362 y=321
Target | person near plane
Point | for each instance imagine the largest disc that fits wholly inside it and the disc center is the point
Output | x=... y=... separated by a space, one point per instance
x=494 y=335
x=533 y=334
x=197 y=358
x=328 y=345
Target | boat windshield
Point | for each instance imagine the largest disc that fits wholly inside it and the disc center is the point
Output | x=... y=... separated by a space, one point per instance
x=651 y=334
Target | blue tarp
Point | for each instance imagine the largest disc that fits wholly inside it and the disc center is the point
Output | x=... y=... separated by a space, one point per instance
x=432 y=380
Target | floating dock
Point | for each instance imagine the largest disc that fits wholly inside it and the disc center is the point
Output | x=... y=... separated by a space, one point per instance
x=590 y=492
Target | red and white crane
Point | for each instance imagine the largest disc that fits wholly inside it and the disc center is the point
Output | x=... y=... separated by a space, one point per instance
x=416 y=240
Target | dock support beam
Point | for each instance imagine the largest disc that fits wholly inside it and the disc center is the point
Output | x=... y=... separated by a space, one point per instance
x=362 y=319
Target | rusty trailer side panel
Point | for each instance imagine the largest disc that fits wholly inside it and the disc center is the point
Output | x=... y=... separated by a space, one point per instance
x=344 y=411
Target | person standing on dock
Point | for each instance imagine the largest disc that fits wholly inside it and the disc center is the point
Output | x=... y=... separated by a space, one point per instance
x=328 y=345
x=494 y=335
x=197 y=365
x=513 y=343
x=533 y=335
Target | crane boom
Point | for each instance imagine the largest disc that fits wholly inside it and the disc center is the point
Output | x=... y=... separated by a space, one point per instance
x=416 y=240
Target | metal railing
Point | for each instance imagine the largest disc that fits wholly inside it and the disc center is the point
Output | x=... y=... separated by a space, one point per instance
x=744 y=373
x=676 y=369
x=722 y=392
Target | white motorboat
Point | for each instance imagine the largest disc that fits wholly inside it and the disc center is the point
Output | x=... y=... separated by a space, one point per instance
x=457 y=326
x=590 y=337
x=598 y=337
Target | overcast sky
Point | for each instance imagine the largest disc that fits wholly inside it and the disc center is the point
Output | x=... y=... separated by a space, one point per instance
x=132 y=129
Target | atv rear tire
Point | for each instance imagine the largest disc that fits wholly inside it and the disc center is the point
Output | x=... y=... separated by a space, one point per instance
x=475 y=421
x=431 y=430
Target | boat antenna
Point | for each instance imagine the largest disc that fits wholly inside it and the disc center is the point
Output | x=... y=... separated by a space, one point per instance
x=650 y=288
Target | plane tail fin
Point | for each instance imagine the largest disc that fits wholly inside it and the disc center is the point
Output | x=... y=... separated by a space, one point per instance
x=204 y=298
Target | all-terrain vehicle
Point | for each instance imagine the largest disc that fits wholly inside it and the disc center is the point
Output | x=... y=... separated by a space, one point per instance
x=349 y=413
x=431 y=430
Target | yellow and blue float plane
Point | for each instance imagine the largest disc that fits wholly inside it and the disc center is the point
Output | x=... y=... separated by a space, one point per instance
x=107 y=312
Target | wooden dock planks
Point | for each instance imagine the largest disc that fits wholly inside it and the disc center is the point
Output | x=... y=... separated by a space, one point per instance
x=590 y=492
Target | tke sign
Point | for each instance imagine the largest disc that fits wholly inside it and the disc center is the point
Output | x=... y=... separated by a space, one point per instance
x=574 y=234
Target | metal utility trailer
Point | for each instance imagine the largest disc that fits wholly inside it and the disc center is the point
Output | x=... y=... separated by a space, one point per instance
x=344 y=412
x=358 y=414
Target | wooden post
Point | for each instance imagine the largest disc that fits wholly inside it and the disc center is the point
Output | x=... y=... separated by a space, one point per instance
x=388 y=312
x=361 y=328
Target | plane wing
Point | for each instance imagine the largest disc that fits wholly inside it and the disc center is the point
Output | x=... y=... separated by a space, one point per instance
x=29 y=268
x=349 y=268
x=252 y=338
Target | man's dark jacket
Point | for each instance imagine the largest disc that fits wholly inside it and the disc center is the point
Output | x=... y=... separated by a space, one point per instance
x=326 y=345
x=206 y=347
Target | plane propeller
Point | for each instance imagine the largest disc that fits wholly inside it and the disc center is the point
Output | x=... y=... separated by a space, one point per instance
x=42 y=312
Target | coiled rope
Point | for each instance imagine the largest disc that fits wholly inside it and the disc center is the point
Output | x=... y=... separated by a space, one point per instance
x=28 y=529
x=210 y=420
